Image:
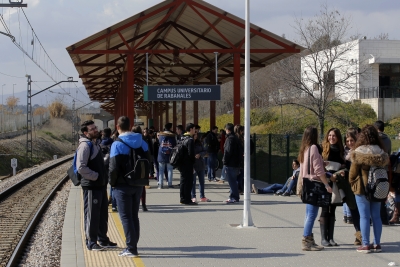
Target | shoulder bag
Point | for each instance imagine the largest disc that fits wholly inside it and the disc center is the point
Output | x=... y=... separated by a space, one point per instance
x=314 y=192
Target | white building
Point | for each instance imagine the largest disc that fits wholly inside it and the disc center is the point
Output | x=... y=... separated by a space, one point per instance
x=366 y=70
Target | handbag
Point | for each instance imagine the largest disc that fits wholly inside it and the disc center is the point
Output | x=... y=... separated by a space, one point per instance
x=314 y=192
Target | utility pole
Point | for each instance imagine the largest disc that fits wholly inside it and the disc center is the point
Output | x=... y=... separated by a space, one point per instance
x=2 y=108
x=74 y=119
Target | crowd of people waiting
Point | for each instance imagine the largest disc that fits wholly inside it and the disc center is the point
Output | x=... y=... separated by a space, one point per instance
x=342 y=165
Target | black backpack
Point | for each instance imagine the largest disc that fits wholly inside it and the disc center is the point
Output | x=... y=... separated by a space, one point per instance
x=137 y=168
x=177 y=154
x=72 y=172
x=377 y=188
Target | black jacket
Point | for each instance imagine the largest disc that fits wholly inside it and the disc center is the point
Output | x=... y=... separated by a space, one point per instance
x=233 y=151
x=212 y=142
x=189 y=156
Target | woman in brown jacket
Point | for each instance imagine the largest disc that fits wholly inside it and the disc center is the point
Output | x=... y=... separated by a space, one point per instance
x=368 y=152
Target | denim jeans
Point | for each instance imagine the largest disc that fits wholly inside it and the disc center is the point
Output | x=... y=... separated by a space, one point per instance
x=270 y=189
x=311 y=214
x=128 y=200
x=199 y=174
x=346 y=210
x=223 y=173
x=231 y=175
x=113 y=201
x=285 y=186
x=212 y=157
x=161 y=167
x=369 y=209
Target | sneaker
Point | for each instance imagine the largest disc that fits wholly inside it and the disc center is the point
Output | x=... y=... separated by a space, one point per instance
x=96 y=247
x=127 y=253
x=286 y=194
x=377 y=248
x=345 y=219
x=278 y=193
x=191 y=203
x=254 y=189
x=204 y=199
x=229 y=200
x=349 y=220
x=114 y=209
x=221 y=181
x=194 y=200
x=364 y=249
x=214 y=180
x=108 y=244
x=170 y=186
x=159 y=187
x=147 y=186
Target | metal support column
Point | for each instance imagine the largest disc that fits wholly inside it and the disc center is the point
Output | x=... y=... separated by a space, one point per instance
x=130 y=91
x=174 y=122
x=183 y=107
x=167 y=112
x=196 y=113
x=29 y=120
x=236 y=88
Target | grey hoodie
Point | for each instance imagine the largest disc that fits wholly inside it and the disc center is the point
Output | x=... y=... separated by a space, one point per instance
x=82 y=158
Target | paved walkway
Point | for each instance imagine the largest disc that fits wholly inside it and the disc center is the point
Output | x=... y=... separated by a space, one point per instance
x=177 y=235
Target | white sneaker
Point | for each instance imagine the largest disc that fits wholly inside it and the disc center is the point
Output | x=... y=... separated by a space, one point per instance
x=127 y=253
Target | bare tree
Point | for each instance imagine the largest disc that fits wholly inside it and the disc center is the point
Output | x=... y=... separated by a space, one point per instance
x=322 y=74
x=382 y=36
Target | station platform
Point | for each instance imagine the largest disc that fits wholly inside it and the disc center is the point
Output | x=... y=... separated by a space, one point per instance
x=207 y=234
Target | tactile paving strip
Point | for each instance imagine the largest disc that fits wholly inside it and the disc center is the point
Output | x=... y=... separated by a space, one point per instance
x=109 y=257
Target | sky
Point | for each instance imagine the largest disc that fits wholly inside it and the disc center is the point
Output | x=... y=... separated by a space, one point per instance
x=61 y=23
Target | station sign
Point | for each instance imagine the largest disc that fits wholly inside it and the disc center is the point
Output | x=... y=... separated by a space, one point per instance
x=182 y=92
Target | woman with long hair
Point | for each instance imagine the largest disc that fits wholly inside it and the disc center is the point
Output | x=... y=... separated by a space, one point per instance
x=333 y=152
x=350 y=141
x=199 y=152
x=309 y=150
x=368 y=152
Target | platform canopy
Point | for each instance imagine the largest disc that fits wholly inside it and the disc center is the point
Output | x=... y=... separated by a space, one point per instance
x=180 y=38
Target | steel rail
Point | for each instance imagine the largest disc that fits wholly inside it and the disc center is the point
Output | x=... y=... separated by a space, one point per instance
x=9 y=191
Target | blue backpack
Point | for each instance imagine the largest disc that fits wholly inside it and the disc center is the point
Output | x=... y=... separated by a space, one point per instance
x=73 y=172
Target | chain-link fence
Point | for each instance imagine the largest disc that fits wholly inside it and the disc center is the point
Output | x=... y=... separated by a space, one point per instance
x=16 y=122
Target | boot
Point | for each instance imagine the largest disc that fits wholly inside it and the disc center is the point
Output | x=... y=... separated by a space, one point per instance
x=358 y=240
x=144 y=208
x=331 y=230
x=324 y=229
x=308 y=244
x=315 y=244
x=396 y=213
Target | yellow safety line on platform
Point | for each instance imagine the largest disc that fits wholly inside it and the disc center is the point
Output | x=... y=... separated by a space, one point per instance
x=137 y=261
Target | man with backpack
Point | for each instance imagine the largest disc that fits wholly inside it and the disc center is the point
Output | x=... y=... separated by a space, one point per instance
x=127 y=189
x=186 y=166
x=212 y=150
x=90 y=165
x=167 y=142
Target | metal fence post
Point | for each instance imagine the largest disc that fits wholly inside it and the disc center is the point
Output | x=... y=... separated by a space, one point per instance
x=287 y=155
x=255 y=156
x=269 y=158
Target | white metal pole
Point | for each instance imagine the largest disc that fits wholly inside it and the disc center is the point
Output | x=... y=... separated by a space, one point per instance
x=247 y=220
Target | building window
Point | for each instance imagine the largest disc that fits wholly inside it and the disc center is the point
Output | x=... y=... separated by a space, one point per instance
x=316 y=87
x=389 y=75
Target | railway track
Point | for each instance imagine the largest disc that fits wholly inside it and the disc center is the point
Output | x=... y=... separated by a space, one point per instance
x=21 y=207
